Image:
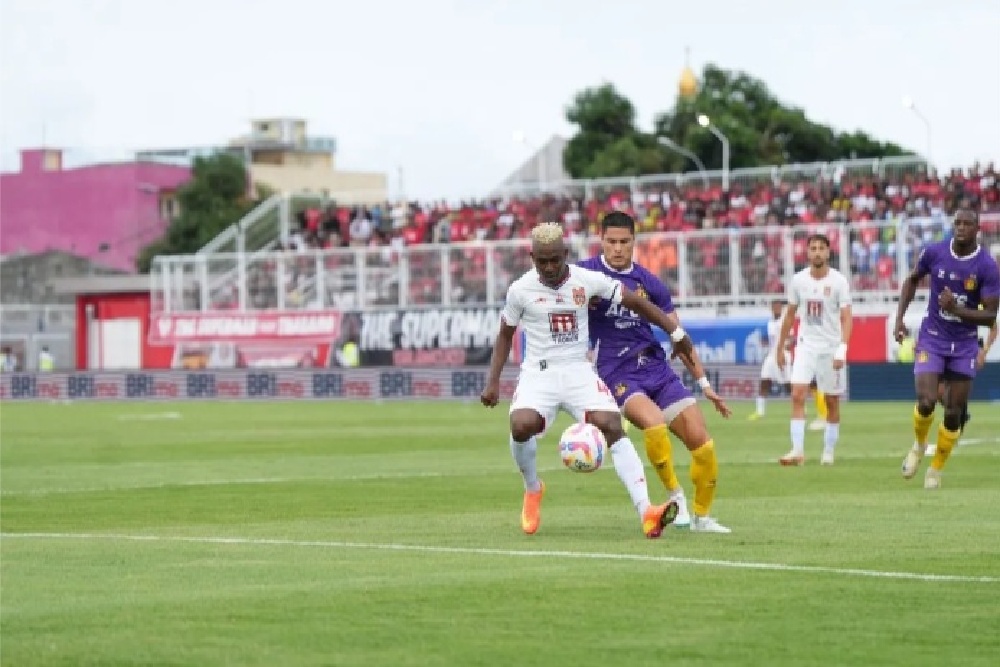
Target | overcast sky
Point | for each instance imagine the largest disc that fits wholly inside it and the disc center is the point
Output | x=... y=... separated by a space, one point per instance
x=436 y=87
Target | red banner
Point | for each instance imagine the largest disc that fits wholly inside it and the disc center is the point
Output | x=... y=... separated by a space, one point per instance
x=172 y=328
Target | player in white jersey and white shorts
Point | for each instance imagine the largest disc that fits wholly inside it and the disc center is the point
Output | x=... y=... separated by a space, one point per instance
x=824 y=295
x=550 y=304
x=770 y=372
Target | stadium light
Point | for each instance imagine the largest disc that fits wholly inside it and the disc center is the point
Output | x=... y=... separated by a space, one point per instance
x=672 y=145
x=908 y=103
x=519 y=138
x=706 y=123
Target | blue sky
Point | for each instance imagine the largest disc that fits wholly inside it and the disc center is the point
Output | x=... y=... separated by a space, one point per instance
x=437 y=87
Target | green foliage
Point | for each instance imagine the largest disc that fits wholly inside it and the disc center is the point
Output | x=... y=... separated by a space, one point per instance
x=214 y=199
x=760 y=128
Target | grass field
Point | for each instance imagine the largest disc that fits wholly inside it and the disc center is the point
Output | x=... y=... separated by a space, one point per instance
x=362 y=534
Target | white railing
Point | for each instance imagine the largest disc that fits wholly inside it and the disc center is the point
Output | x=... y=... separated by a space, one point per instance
x=891 y=167
x=707 y=268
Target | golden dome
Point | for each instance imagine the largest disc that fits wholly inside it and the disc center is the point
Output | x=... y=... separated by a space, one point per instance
x=688 y=85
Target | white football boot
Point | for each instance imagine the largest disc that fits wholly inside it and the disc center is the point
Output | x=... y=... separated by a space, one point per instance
x=706 y=524
x=912 y=461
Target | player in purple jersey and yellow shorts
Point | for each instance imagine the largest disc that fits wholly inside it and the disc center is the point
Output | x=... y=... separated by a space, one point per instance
x=634 y=365
x=964 y=295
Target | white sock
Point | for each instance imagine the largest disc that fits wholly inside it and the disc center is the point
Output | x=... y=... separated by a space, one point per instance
x=628 y=465
x=677 y=495
x=798 y=430
x=831 y=436
x=761 y=402
x=525 y=455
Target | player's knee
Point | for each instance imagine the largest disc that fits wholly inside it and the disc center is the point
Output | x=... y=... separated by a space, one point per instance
x=523 y=427
x=799 y=393
x=953 y=417
x=925 y=404
x=609 y=423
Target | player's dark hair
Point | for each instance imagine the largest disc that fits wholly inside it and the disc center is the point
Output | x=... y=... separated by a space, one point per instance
x=618 y=220
x=818 y=237
x=966 y=207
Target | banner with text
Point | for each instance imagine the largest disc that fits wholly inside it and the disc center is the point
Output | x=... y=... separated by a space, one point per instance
x=424 y=337
x=732 y=381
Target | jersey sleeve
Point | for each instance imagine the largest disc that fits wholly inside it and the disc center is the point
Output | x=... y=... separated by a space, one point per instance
x=793 y=291
x=598 y=284
x=659 y=294
x=991 y=282
x=513 y=307
x=925 y=261
x=844 y=294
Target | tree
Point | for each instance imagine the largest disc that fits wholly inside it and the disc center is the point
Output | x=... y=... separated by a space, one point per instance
x=214 y=199
x=608 y=143
x=760 y=128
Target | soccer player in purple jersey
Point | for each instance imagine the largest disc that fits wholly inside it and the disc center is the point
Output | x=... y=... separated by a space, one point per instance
x=964 y=295
x=634 y=365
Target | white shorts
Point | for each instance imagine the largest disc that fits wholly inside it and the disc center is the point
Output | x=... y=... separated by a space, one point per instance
x=771 y=371
x=575 y=388
x=809 y=366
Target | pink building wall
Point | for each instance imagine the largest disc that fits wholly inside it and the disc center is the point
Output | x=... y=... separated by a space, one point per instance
x=78 y=210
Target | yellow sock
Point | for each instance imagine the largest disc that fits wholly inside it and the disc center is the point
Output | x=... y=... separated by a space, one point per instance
x=922 y=426
x=658 y=450
x=704 y=471
x=821 y=404
x=945 y=443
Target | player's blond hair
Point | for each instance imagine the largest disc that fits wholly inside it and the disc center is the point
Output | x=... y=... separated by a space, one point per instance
x=547 y=232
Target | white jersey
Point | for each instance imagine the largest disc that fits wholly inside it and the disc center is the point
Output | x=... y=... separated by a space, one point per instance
x=819 y=303
x=554 y=320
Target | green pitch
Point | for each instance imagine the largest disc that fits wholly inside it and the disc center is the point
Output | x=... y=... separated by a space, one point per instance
x=362 y=534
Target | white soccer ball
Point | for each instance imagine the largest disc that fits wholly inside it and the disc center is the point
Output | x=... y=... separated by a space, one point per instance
x=581 y=447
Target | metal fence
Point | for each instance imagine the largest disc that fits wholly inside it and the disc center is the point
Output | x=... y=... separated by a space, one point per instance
x=707 y=268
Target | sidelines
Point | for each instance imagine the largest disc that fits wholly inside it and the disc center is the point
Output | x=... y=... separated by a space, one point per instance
x=513 y=553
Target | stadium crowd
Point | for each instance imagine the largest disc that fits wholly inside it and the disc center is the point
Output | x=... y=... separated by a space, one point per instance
x=868 y=203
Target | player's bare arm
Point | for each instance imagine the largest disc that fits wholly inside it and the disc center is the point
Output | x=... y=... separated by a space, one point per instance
x=501 y=352
x=649 y=311
x=991 y=338
x=983 y=317
x=692 y=363
x=786 y=328
x=846 y=324
x=907 y=292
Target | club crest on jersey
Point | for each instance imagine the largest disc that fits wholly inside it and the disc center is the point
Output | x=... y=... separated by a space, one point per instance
x=970 y=283
x=620 y=389
x=579 y=296
x=826 y=290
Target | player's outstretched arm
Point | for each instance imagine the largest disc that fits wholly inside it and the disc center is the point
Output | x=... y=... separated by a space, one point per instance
x=692 y=362
x=501 y=352
x=650 y=312
x=846 y=327
x=907 y=291
x=787 y=320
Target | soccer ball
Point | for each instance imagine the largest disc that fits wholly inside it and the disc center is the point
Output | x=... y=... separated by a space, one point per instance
x=581 y=447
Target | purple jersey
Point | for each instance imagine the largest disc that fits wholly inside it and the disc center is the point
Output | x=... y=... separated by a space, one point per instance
x=623 y=340
x=971 y=279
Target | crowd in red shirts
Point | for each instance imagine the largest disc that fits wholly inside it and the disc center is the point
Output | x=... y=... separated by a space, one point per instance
x=870 y=204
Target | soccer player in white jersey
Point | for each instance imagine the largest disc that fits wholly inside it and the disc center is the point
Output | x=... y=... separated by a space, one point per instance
x=551 y=302
x=821 y=350
x=770 y=372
